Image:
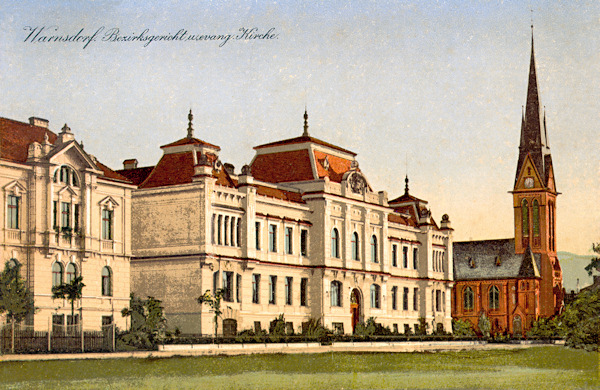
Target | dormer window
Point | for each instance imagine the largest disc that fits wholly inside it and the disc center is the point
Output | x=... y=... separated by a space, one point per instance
x=66 y=175
x=471 y=262
x=498 y=261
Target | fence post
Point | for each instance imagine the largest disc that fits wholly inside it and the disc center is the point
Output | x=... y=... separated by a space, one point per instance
x=114 y=342
x=82 y=338
x=49 y=336
x=12 y=347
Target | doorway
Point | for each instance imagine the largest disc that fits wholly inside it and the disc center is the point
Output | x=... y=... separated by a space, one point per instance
x=355 y=306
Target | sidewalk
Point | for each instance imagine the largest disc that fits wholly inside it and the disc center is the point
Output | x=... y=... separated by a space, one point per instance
x=167 y=351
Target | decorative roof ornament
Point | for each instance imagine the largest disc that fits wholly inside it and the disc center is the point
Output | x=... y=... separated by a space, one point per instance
x=65 y=129
x=190 y=129
x=305 y=133
x=46 y=139
x=406 y=185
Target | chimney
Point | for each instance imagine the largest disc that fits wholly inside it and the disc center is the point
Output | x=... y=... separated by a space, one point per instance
x=130 y=164
x=40 y=122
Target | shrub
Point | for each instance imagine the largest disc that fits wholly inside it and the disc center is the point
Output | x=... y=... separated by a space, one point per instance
x=546 y=328
x=462 y=327
x=581 y=321
x=422 y=327
x=277 y=329
x=371 y=328
x=313 y=329
x=484 y=325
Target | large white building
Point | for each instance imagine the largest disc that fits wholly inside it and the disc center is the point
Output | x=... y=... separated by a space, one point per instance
x=65 y=215
x=300 y=232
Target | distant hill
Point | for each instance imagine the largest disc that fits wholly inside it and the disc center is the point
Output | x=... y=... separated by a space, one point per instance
x=573 y=267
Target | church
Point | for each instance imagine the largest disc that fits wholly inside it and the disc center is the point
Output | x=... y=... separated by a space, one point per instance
x=516 y=281
x=299 y=231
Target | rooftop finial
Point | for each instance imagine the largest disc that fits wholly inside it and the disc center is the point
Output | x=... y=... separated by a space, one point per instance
x=406 y=185
x=190 y=129
x=305 y=134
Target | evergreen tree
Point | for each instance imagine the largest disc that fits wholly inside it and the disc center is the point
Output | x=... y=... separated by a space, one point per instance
x=16 y=300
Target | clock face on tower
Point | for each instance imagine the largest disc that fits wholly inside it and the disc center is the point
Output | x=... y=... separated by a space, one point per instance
x=529 y=182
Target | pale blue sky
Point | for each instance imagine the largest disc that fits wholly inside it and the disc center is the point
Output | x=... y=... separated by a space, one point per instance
x=441 y=83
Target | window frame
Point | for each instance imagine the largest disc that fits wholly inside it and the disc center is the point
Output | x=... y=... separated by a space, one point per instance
x=272 y=238
x=289 y=281
x=355 y=246
x=494 y=298
x=107 y=282
x=255 y=288
x=335 y=243
x=375 y=296
x=374 y=249
x=13 y=211
x=57 y=274
x=289 y=241
x=304 y=292
x=108 y=216
x=304 y=242
x=335 y=292
x=272 y=289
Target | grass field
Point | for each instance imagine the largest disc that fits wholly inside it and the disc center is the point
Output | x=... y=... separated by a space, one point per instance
x=533 y=368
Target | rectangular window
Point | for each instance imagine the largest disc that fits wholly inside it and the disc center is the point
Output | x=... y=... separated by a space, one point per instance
x=219 y=231
x=288 y=290
x=13 y=212
x=215 y=282
x=304 y=242
x=405 y=299
x=255 y=288
x=303 y=291
x=394 y=298
x=288 y=240
x=55 y=214
x=65 y=212
x=405 y=256
x=257 y=235
x=238 y=287
x=394 y=255
x=76 y=217
x=228 y=286
x=213 y=229
x=273 y=238
x=438 y=300
x=416 y=299
x=415 y=258
x=272 y=289
x=107 y=221
x=226 y=230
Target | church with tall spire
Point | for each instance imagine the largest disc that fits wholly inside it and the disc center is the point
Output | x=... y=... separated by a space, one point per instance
x=514 y=282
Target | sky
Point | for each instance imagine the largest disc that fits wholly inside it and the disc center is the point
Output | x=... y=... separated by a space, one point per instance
x=429 y=89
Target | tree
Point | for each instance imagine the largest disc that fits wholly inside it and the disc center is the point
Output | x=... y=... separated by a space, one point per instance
x=595 y=261
x=214 y=301
x=71 y=291
x=581 y=321
x=484 y=325
x=16 y=300
x=148 y=322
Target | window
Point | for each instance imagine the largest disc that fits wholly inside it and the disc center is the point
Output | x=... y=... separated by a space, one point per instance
x=415 y=258
x=257 y=235
x=468 y=298
x=374 y=249
x=288 y=240
x=57 y=274
x=335 y=243
x=13 y=212
x=415 y=299
x=219 y=231
x=71 y=272
x=405 y=299
x=232 y=232
x=273 y=238
x=551 y=225
x=226 y=230
x=107 y=220
x=238 y=287
x=355 y=248
x=272 y=289
x=536 y=218
x=394 y=255
x=67 y=176
x=106 y=282
x=65 y=213
x=375 y=296
x=213 y=226
x=228 y=286
x=215 y=282
x=494 y=298
x=76 y=217
x=525 y=216
x=394 y=298
x=335 y=292
x=255 y=288
x=303 y=291
x=55 y=214
x=238 y=232
x=304 y=242
x=58 y=323
x=405 y=256
x=438 y=300
x=288 y=290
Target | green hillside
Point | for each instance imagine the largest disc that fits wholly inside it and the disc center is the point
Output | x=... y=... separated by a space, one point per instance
x=573 y=267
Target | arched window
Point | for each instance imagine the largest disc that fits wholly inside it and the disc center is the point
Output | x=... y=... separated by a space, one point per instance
x=67 y=176
x=335 y=243
x=336 y=290
x=71 y=272
x=106 y=282
x=355 y=255
x=375 y=296
x=536 y=218
x=468 y=298
x=525 y=216
x=494 y=298
x=57 y=274
x=551 y=225
x=374 y=249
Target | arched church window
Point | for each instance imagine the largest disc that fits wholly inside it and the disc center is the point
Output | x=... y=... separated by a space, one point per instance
x=536 y=218
x=525 y=216
x=468 y=298
x=494 y=297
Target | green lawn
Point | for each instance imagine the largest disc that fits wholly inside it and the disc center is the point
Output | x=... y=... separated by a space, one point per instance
x=534 y=368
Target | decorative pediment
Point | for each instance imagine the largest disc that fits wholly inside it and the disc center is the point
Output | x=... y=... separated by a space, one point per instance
x=15 y=188
x=84 y=161
x=356 y=182
x=109 y=203
x=67 y=191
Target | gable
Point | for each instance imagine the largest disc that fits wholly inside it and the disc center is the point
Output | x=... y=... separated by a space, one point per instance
x=72 y=154
x=529 y=177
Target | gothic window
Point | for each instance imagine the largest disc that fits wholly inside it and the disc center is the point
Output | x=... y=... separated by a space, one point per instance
x=106 y=282
x=525 y=217
x=468 y=298
x=374 y=249
x=375 y=296
x=355 y=254
x=335 y=243
x=57 y=274
x=12 y=221
x=336 y=290
x=536 y=218
x=494 y=298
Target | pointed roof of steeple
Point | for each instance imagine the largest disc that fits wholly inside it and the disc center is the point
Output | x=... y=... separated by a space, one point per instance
x=533 y=126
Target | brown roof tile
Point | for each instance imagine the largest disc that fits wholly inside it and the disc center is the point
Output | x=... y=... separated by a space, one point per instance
x=15 y=138
x=302 y=139
x=172 y=169
x=337 y=166
x=282 y=167
x=191 y=141
x=136 y=175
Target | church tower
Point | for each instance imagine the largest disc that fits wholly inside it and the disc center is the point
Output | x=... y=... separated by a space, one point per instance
x=534 y=197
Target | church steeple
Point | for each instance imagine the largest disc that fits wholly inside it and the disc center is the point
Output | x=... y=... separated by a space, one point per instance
x=533 y=128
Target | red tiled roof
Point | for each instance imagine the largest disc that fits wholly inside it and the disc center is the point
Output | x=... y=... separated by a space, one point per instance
x=282 y=167
x=224 y=179
x=110 y=174
x=303 y=139
x=136 y=175
x=337 y=166
x=401 y=220
x=172 y=169
x=15 y=138
x=191 y=141
x=279 y=194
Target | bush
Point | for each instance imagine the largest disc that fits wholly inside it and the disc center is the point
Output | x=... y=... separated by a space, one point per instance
x=581 y=321
x=484 y=325
x=422 y=327
x=462 y=328
x=313 y=329
x=277 y=329
x=371 y=328
x=546 y=328
x=148 y=323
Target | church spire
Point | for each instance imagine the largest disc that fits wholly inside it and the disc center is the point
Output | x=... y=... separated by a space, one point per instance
x=190 y=129
x=305 y=133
